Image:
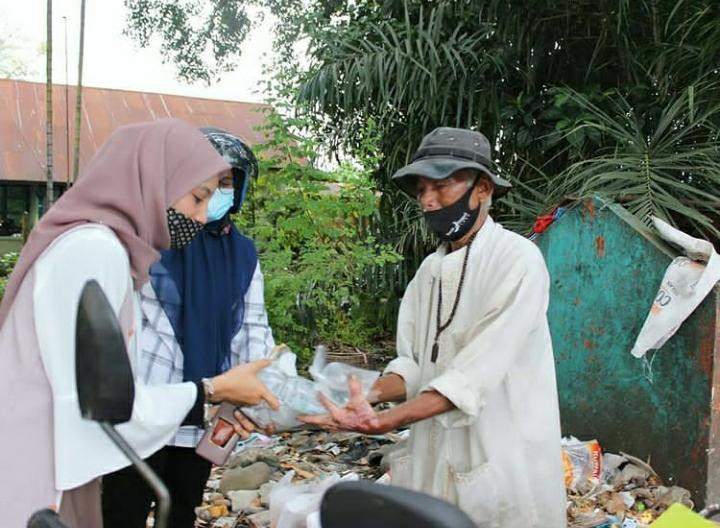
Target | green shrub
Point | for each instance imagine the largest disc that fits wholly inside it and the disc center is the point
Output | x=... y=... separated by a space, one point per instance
x=315 y=248
x=7 y=263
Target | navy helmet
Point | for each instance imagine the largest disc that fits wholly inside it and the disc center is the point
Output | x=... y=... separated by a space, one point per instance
x=239 y=156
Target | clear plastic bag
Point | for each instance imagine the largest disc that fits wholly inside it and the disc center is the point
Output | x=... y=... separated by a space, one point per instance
x=332 y=378
x=298 y=395
x=297 y=505
x=582 y=463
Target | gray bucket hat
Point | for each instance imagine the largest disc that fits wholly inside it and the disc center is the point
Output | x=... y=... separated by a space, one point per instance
x=445 y=151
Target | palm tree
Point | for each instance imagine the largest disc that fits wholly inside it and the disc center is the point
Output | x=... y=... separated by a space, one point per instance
x=49 y=110
x=667 y=166
x=78 y=101
x=408 y=68
x=582 y=97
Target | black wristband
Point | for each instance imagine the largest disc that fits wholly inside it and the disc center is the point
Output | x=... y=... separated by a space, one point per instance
x=197 y=412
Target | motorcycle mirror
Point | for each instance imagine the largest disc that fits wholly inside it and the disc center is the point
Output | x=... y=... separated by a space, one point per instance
x=102 y=368
x=45 y=519
x=362 y=503
x=105 y=384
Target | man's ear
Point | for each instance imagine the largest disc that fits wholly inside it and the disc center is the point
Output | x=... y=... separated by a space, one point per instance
x=483 y=188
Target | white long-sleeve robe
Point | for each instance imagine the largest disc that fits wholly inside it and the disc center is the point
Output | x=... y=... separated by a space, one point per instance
x=47 y=447
x=498 y=454
x=82 y=450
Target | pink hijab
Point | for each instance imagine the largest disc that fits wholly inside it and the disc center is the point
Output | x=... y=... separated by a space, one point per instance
x=139 y=172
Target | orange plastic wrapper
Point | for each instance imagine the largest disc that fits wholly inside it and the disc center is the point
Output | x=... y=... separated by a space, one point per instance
x=582 y=462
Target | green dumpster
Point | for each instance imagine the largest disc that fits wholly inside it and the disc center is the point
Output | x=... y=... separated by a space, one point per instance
x=605 y=269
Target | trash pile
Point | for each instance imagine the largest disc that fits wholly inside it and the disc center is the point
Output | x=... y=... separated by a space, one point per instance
x=279 y=481
x=614 y=490
x=240 y=488
x=604 y=490
x=238 y=493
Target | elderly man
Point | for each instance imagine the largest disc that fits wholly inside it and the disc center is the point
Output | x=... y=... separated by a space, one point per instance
x=475 y=364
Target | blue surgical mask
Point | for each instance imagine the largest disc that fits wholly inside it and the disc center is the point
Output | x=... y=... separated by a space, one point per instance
x=220 y=204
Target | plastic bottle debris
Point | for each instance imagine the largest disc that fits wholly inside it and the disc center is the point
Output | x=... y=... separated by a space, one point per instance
x=332 y=378
x=298 y=395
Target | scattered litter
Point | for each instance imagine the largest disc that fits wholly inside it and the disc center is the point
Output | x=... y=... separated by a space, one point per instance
x=605 y=490
x=582 y=463
x=628 y=493
x=307 y=460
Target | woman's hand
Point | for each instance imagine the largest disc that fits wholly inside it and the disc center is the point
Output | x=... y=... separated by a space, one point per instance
x=244 y=427
x=240 y=385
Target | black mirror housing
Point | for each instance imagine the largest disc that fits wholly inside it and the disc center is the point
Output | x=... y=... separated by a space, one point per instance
x=361 y=504
x=106 y=390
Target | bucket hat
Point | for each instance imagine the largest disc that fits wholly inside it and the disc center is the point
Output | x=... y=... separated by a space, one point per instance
x=445 y=151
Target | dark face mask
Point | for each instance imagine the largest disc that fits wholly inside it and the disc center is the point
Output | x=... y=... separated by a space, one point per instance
x=182 y=229
x=454 y=221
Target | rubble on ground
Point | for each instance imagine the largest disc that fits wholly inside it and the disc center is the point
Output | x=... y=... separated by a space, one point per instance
x=606 y=491
x=237 y=494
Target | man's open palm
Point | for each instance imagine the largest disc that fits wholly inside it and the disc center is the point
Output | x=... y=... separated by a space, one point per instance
x=358 y=415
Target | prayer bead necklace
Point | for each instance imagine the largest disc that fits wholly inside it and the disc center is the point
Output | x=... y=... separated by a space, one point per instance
x=440 y=328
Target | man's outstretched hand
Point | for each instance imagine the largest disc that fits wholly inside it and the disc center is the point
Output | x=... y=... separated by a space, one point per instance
x=358 y=415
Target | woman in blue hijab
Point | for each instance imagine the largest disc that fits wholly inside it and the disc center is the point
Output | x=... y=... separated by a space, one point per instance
x=203 y=313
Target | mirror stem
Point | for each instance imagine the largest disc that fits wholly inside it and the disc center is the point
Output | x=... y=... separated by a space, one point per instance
x=161 y=492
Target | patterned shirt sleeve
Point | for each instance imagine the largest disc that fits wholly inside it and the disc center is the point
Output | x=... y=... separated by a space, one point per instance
x=254 y=340
x=161 y=359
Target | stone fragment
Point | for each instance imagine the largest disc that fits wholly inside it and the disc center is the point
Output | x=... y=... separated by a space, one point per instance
x=260 y=520
x=265 y=490
x=251 y=455
x=245 y=478
x=242 y=499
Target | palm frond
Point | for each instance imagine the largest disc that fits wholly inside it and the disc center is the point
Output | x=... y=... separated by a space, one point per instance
x=670 y=169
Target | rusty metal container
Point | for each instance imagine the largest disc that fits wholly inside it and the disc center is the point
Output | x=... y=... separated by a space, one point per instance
x=605 y=269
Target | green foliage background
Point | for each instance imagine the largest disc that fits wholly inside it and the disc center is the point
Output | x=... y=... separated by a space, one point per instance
x=618 y=98
x=7 y=263
x=318 y=253
x=613 y=97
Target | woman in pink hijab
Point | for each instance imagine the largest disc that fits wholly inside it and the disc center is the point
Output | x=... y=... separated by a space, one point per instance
x=146 y=190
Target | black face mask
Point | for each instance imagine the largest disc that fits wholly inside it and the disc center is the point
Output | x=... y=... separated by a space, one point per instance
x=182 y=229
x=455 y=220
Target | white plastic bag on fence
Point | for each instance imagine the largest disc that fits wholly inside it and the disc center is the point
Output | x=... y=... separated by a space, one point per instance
x=298 y=395
x=298 y=505
x=687 y=281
